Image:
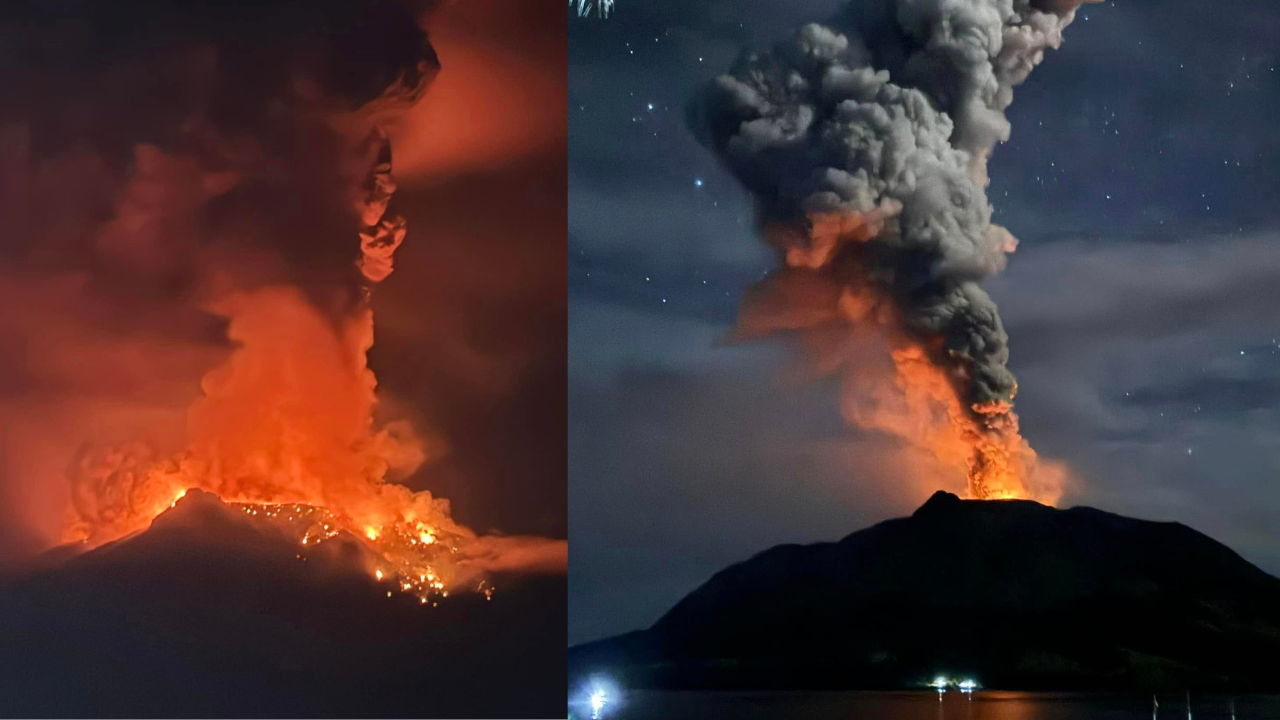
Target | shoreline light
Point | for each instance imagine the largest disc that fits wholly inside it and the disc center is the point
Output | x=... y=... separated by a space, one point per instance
x=598 y=701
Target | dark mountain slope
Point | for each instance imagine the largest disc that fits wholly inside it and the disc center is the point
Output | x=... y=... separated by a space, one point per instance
x=1013 y=592
x=210 y=614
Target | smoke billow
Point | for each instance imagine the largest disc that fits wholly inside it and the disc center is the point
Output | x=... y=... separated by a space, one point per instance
x=196 y=201
x=871 y=183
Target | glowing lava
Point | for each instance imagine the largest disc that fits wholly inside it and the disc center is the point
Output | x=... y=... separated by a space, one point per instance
x=420 y=568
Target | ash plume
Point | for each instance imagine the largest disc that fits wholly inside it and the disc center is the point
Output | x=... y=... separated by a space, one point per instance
x=867 y=156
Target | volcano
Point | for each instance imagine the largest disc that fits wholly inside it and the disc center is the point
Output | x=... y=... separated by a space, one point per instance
x=212 y=613
x=1014 y=593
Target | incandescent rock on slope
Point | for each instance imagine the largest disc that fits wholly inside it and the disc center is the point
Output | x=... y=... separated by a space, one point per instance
x=211 y=614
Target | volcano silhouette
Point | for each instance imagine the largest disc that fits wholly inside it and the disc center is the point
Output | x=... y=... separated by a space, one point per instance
x=211 y=614
x=1014 y=593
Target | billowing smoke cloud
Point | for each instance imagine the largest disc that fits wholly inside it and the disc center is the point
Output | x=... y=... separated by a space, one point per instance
x=195 y=203
x=871 y=182
x=162 y=162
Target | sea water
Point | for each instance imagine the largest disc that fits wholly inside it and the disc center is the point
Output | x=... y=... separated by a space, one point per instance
x=953 y=705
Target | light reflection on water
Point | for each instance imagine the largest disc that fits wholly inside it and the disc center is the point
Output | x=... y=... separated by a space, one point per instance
x=985 y=705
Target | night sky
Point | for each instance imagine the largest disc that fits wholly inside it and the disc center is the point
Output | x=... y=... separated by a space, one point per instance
x=1141 y=304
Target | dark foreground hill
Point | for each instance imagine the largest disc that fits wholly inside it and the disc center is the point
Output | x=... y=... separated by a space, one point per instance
x=208 y=615
x=1014 y=593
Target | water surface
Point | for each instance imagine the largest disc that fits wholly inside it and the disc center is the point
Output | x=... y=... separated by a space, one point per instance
x=985 y=705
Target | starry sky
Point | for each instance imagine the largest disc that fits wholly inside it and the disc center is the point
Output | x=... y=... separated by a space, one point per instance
x=1141 y=304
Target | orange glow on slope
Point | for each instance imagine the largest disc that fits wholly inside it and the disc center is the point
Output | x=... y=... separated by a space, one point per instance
x=415 y=568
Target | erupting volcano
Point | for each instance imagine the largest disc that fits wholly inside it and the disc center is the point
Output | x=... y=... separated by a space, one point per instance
x=867 y=156
x=210 y=204
x=285 y=429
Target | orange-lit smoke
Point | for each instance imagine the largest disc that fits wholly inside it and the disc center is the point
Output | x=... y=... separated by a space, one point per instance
x=924 y=406
x=824 y=292
x=288 y=418
x=284 y=429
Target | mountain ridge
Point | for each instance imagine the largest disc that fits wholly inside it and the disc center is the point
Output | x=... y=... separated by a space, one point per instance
x=209 y=613
x=1020 y=594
